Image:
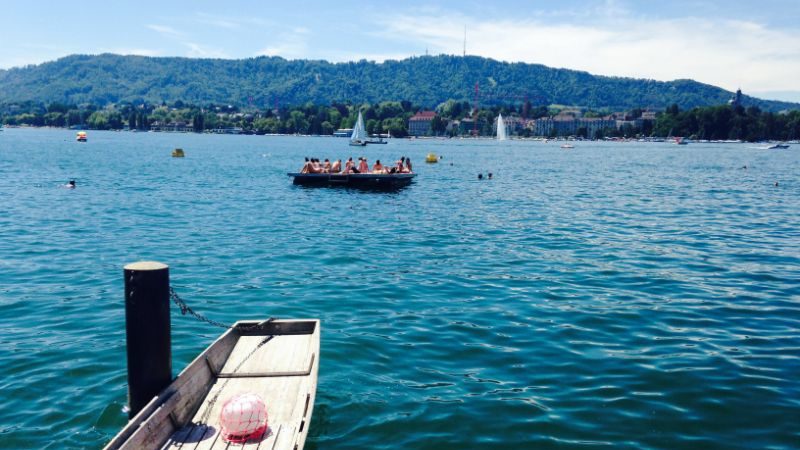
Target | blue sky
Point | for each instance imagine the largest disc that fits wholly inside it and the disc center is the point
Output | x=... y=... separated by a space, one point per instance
x=731 y=44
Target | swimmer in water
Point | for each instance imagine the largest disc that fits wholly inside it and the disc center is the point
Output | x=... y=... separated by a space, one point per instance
x=70 y=185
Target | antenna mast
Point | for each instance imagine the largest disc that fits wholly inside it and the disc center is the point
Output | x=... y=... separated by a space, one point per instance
x=465 y=41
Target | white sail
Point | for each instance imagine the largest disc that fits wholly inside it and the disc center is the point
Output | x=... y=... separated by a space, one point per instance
x=501 y=128
x=359 y=131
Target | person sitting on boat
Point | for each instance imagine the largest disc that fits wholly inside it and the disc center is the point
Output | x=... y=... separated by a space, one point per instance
x=408 y=165
x=337 y=166
x=349 y=166
x=377 y=167
x=399 y=165
x=306 y=166
x=314 y=166
x=363 y=167
x=326 y=168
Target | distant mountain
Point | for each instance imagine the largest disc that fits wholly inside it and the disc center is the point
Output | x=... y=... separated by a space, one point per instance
x=263 y=81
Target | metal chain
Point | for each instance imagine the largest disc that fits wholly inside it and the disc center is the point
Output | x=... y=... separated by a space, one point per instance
x=213 y=400
x=186 y=309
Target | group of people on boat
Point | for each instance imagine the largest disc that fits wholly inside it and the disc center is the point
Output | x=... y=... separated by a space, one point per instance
x=313 y=165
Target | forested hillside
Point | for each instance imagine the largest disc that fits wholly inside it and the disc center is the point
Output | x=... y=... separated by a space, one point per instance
x=266 y=81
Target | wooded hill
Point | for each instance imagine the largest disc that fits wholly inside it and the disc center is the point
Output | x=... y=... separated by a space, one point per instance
x=266 y=81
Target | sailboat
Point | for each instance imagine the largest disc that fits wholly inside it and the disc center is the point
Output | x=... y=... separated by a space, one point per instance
x=359 y=136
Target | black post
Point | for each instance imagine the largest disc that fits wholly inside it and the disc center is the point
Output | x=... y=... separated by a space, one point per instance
x=148 y=332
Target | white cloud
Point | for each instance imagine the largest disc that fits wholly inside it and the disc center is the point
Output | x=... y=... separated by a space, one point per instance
x=229 y=23
x=726 y=53
x=134 y=51
x=166 y=31
x=202 y=51
x=195 y=50
x=289 y=45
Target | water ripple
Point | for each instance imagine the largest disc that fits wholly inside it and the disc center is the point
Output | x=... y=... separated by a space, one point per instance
x=618 y=295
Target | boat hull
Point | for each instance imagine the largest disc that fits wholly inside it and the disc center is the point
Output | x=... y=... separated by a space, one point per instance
x=355 y=180
x=277 y=360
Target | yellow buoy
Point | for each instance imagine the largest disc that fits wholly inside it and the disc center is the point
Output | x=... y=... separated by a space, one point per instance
x=178 y=153
x=431 y=158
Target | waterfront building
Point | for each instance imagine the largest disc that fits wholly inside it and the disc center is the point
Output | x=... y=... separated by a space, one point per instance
x=420 y=123
x=465 y=126
x=565 y=125
x=569 y=125
x=343 y=132
x=179 y=127
x=593 y=125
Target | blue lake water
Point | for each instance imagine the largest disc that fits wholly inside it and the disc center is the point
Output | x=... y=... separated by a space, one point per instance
x=617 y=295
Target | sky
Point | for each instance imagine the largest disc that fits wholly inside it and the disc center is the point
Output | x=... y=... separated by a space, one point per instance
x=752 y=45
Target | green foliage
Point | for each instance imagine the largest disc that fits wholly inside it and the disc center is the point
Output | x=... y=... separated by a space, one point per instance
x=726 y=122
x=712 y=123
x=443 y=82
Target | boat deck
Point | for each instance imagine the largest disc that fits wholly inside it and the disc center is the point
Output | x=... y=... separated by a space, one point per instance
x=282 y=371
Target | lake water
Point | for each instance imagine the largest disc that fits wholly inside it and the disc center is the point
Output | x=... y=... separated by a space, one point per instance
x=617 y=295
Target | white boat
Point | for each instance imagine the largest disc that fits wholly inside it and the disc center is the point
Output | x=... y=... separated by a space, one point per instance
x=567 y=146
x=359 y=136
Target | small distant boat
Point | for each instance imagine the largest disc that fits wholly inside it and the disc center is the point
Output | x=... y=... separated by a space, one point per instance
x=356 y=180
x=81 y=136
x=567 y=146
x=431 y=158
x=178 y=153
x=278 y=360
x=359 y=136
x=379 y=141
x=681 y=141
x=777 y=146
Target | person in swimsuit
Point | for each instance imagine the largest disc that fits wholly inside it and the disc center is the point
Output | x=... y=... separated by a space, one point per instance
x=337 y=166
x=363 y=167
x=377 y=167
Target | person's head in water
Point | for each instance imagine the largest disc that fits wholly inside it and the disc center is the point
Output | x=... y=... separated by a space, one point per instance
x=72 y=183
x=490 y=175
x=480 y=176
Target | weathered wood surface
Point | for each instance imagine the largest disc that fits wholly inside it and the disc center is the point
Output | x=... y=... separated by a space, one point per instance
x=283 y=371
x=180 y=399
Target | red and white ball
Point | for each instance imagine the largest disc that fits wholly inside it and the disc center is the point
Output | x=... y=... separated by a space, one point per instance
x=243 y=416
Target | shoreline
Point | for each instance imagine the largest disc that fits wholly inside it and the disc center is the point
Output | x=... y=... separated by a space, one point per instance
x=661 y=140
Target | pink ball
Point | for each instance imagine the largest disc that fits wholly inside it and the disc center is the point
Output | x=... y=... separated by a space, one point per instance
x=243 y=416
